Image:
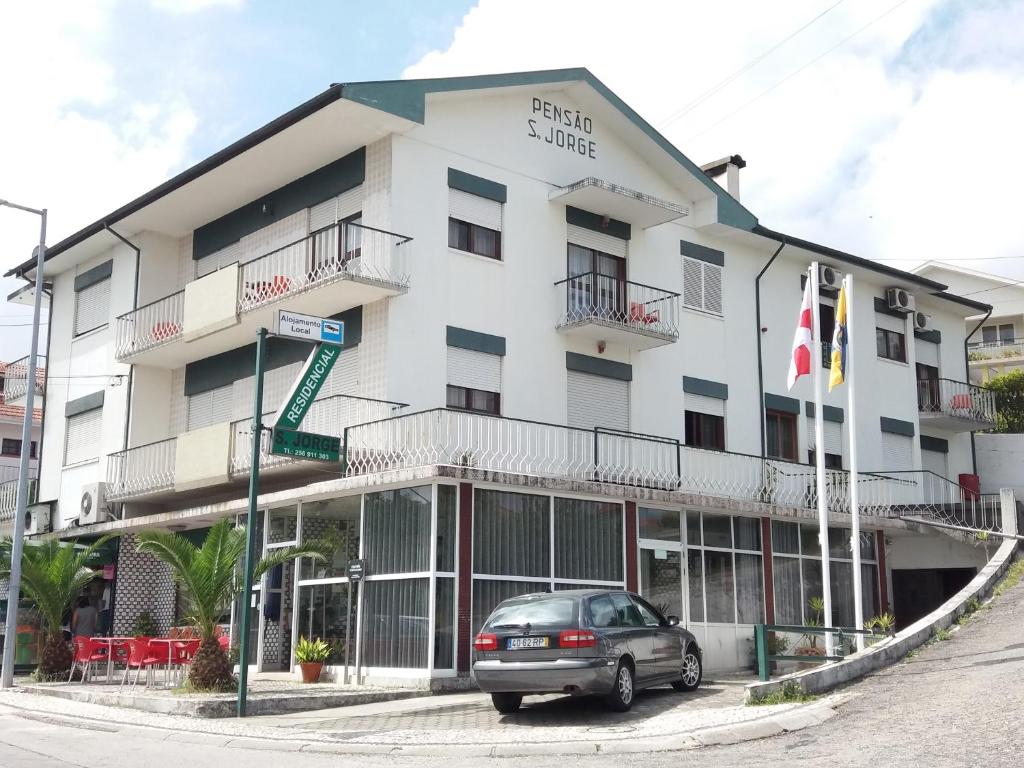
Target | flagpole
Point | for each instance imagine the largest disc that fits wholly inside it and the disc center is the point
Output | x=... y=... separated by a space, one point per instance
x=819 y=456
x=849 y=374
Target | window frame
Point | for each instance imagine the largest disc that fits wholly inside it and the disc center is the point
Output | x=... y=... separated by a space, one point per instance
x=104 y=322
x=11 y=446
x=67 y=433
x=467 y=406
x=695 y=440
x=884 y=344
x=471 y=238
x=772 y=413
x=704 y=267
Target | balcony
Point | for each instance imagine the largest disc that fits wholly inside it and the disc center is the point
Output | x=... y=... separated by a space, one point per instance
x=360 y=264
x=603 y=308
x=147 y=472
x=1003 y=352
x=955 y=405
x=9 y=503
x=16 y=382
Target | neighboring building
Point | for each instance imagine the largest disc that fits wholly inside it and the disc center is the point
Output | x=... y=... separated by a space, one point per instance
x=12 y=415
x=551 y=375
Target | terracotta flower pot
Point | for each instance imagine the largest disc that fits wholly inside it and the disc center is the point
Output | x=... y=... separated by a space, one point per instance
x=311 y=671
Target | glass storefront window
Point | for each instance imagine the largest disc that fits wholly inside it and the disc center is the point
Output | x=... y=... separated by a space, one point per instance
x=785 y=537
x=809 y=544
x=396 y=618
x=749 y=589
x=659 y=524
x=748 y=533
x=336 y=522
x=719 y=581
x=511 y=534
x=322 y=614
x=444 y=623
x=488 y=593
x=717 y=531
x=695 y=571
x=788 y=600
x=839 y=542
x=282 y=526
x=588 y=540
x=397 y=531
x=693 y=529
x=661 y=580
x=446 y=505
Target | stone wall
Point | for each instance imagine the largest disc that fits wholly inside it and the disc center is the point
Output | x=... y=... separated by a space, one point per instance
x=143 y=584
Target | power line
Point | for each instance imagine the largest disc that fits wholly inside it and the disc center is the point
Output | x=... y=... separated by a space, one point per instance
x=686 y=109
x=813 y=61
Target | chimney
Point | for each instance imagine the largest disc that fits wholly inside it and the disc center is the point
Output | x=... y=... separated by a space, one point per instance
x=727 y=173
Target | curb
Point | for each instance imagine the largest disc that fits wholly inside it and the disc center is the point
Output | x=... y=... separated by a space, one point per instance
x=772 y=724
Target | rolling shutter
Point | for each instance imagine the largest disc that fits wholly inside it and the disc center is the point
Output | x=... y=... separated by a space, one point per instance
x=344 y=378
x=336 y=209
x=598 y=241
x=897 y=452
x=218 y=259
x=474 y=209
x=927 y=352
x=891 y=323
x=210 y=407
x=92 y=307
x=833 y=436
x=702 y=285
x=935 y=461
x=703 y=404
x=474 y=370
x=82 y=439
x=596 y=401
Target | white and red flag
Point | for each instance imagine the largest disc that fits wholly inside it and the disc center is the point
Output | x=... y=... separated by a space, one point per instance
x=803 y=339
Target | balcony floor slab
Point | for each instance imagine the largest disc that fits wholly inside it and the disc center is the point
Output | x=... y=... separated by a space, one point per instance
x=635 y=338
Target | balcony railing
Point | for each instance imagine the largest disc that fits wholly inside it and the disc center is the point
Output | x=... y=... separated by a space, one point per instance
x=151 y=325
x=329 y=416
x=924 y=494
x=341 y=251
x=957 y=400
x=605 y=300
x=9 y=498
x=516 y=446
x=141 y=471
x=16 y=379
x=993 y=351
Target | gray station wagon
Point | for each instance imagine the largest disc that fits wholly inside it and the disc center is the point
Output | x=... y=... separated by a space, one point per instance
x=606 y=643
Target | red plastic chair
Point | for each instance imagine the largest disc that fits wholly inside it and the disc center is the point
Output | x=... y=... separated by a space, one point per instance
x=182 y=654
x=140 y=658
x=224 y=642
x=87 y=651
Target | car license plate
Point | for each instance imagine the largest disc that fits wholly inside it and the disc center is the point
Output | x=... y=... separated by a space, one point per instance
x=519 y=643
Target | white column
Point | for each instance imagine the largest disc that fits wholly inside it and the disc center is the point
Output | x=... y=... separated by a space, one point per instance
x=858 y=603
x=819 y=456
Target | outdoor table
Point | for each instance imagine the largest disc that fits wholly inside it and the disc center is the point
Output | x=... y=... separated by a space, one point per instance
x=110 y=642
x=168 y=641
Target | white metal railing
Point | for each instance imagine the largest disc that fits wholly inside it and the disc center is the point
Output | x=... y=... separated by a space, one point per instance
x=924 y=494
x=499 y=444
x=956 y=398
x=9 y=498
x=341 y=251
x=142 y=470
x=994 y=350
x=329 y=416
x=149 y=326
x=606 y=300
x=16 y=378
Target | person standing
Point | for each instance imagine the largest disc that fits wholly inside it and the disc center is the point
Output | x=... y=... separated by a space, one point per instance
x=83 y=621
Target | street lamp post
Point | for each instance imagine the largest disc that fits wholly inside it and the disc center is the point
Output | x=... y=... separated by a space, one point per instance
x=14 y=588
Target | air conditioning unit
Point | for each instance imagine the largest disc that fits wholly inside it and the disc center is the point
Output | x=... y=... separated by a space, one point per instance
x=37 y=519
x=923 y=322
x=828 y=277
x=900 y=300
x=92 y=505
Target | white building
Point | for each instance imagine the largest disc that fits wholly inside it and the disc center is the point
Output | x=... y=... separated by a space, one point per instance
x=565 y=357
x=12 y=415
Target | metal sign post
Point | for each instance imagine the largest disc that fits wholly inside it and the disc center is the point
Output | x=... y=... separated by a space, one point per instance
x=250 y=527
x=354 y=570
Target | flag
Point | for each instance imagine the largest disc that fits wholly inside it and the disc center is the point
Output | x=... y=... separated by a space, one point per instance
x=839 y=343
x=803 y=339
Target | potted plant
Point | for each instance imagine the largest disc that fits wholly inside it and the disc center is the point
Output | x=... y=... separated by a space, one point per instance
x=809 y=641
x=310 y=655
x=885 y=623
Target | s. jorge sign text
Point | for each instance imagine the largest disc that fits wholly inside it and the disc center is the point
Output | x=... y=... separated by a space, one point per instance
x=562 y=127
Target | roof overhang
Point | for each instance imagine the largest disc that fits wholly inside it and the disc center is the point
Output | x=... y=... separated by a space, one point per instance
x=618 y=202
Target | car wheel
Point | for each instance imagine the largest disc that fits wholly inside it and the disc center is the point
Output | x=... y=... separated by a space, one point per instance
x=620 y=699
x=691 y=672
x=507 y=703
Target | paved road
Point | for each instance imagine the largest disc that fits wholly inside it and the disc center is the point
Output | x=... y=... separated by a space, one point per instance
x=958 y=703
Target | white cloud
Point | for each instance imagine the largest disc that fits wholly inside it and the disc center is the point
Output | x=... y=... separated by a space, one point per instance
x=195 y=6
x=901 y=143
x=72 y=142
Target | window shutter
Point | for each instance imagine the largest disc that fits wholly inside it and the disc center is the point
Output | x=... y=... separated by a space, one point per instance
x=890 y=323
x=598 y=241
x=702 y=404
x=596 y=401
x=344 y=377
x=927 y=352
x=833 y=436
x=336 y=209
x=935 y=461
x=214 y=261
x=92 y=307
x=474 y=210
x=82 y=439
x=897 y=452
x=712 y=288
x=702 y=285
x=475 y=370
x=211 y=407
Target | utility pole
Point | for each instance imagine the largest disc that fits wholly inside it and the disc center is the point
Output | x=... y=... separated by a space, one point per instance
x=250 y=525
x=14 y=581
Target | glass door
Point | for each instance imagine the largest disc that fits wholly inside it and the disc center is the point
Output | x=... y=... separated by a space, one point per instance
x=660 y=561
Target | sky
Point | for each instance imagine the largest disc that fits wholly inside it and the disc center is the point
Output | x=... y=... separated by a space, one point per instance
x=887 y=128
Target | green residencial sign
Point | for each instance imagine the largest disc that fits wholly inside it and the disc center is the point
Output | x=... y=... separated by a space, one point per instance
x=307 y=385
x=305 y=445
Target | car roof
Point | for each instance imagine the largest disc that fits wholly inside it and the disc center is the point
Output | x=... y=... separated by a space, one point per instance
x=567 y=593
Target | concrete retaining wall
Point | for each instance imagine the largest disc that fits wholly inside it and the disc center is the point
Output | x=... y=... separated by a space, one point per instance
x=829 y=676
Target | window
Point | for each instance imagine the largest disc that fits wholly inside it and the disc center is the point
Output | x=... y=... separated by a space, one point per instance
x=82 y=437
x=474 y=224
x=602 y=612
x=597 y=282
x=826 y=329
x=92 y=306
x=211 y=407
x=891 y=345
x=832 y=460
x=705 y=431
x=1004 y=334
x=12 y=447
x=626 y=611
x=702 y=286
x=928 y=398
x=475 y=400
x=647 y=614
x=780 y=428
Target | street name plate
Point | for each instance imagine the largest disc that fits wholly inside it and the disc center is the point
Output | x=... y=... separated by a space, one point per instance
x=319 y=330
x=308 y=383
x=305 y=445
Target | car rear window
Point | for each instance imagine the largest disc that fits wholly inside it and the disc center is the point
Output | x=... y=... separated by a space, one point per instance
x=552 y=611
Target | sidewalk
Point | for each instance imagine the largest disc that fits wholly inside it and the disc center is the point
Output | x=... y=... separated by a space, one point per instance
x=465 y=724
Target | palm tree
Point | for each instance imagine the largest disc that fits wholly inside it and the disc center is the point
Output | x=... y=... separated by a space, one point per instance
x=208 y=577
x=53 y=575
